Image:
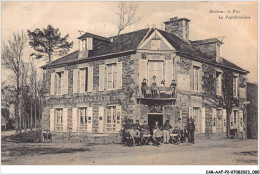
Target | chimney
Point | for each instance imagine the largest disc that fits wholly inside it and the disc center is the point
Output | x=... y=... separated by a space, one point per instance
x=178 y=27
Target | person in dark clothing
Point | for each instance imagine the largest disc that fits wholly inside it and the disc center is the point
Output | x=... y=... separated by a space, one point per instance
x=137 y=125
x=145 y=127
x=166 y=132
x=144 y=87
x=192 y=130
x=188 y=129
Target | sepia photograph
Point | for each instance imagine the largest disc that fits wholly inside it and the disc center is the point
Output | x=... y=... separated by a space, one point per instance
x=129 y=83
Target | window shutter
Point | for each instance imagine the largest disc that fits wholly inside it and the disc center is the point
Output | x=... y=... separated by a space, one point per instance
x=101 y=120
x=89 y=43
x=75 y=80
x=74 y=120
x=101 y=77
x=118 y=118
x=51 y=119
x=82 y=80
x=106 y=77
x=232 y=120
x=90 y=116
x=214 y=113
x=241 y=121
x=224 y=120
x=52 y=83
x=142 y=71
x=119 y=75
x=203 y=120
x=90 y=79
x=65 y=119
x=66 y=83
x=168 y=72
x=190 y=112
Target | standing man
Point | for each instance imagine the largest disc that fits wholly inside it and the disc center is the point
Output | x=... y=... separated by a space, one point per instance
x=192 y=130
x=188 y=129
x=173 y=87
x=166 y=132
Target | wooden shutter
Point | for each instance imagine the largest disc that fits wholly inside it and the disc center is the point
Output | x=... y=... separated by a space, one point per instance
x=168 y=72
x=231 y=120
x=90 y=79
x=101 y=85
x=74 y=120
x=119 y=75
x=203 y=120
x=214 y=113
x=89 y=43
x=190 y=112
x=101 y=120
x=51 y=119
x=52 y=83
x=82 y=74
x=224 y=126
x=90 y=117
x=66 y=83
x=241 y=120
x=118 y=118
x=65 y=119
x=142 y=71
x=75 y=80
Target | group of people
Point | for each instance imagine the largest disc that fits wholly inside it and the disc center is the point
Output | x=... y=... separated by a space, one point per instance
x=153 y=90
x=163 y=133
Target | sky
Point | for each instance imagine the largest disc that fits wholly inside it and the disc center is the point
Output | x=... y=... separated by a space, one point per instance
x=240 y=42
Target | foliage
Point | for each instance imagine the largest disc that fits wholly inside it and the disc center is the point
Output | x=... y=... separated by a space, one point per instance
x=49 y=42
x=227 y=89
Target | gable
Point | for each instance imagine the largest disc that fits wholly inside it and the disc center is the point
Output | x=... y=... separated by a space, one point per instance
x=156 y=40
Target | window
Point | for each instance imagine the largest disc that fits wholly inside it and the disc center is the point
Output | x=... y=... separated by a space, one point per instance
x=111 y=76
x=83 y=119
x=196 y=117
x=155 y=68
x=59 y=82
x=111 y=119
x=235 y=86
x=155 y=44
x=234 y=118
x=218 y=83
x=84 y=80
x=196 y=78
x=58 y=120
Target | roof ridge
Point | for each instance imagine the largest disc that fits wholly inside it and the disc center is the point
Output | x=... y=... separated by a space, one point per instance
x=128 y=33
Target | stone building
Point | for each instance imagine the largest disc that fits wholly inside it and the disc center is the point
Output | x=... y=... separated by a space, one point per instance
x=92 y=91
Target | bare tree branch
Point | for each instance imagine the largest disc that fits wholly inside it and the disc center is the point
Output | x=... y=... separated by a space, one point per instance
x=127 y=15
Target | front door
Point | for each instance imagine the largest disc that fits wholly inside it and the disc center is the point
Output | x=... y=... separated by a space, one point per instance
x=151 y=121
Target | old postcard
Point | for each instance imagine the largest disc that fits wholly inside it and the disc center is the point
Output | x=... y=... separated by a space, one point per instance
x=129 y=83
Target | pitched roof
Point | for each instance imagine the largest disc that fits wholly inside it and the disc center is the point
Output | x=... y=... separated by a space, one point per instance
x=204 y=41
x=181 y=45
x=232 y=65
x=121 y=43
x=130 y=41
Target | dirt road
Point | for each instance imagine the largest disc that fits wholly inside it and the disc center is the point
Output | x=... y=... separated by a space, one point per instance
x=204 y=152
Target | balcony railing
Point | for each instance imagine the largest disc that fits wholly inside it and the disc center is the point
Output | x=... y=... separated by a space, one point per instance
x=157 y=93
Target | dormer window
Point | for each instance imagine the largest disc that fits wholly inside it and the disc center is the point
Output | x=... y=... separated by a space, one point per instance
x=86 y=44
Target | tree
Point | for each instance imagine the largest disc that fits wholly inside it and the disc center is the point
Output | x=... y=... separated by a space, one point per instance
x=127 y=15
x=11 y=54
x=48 y=43
x=228 y=99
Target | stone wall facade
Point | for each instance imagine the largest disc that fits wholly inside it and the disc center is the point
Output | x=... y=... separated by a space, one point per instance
x=205 y=101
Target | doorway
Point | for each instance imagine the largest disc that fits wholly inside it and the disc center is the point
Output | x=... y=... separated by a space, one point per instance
x=151 y=121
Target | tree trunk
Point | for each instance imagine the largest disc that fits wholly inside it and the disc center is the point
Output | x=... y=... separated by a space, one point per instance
x=35 y=121
x=31 y=122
